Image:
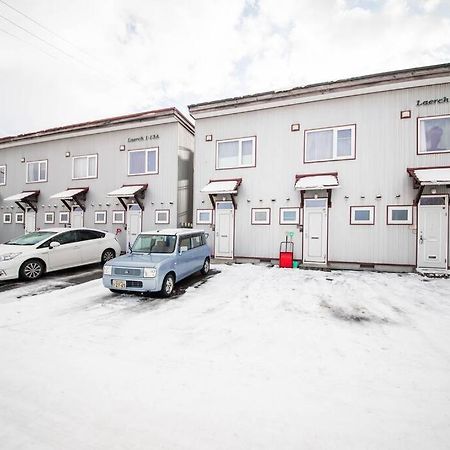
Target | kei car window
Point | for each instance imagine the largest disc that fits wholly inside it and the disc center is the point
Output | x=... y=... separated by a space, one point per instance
x=185 y=242
x=31 y=238
x=154 y=243
x=197 y=241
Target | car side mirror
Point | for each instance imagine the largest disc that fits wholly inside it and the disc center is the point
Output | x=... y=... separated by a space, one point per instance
x=183 y=249
x=206 y=235
x=54 y=244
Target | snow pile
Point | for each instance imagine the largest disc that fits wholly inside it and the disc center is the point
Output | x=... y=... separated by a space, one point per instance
x=256 y=358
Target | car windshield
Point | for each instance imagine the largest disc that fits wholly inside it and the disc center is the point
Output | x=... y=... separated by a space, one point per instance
x=154 y=243
x=31 y=238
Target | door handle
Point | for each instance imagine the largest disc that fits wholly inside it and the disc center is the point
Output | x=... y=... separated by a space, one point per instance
x=314 y=237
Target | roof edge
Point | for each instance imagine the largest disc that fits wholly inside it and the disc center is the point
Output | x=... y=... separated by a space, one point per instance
x=104 y=123
x=395 y=76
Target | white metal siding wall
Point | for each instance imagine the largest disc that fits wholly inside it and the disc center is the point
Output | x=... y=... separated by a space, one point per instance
x=385 y=147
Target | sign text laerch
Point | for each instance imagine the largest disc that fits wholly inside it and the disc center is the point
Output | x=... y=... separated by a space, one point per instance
x=432 y=102
x=143 y=138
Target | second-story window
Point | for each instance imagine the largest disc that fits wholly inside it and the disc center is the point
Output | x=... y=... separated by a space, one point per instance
x=330 y=143
x=232 y=153
x=84 y=167
x=434 y=134
x=142 y=162
x=36 y=171
x=2 y=175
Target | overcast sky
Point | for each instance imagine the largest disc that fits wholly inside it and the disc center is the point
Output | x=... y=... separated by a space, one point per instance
x=78 y=60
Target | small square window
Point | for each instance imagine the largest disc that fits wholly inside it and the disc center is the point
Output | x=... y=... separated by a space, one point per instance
x=362 y=215
x=260 y=216
x=289 y=216
x=20 y=218
x=162 y=216
x=49 y=217
x=7 y=218
x=118 y=217
x=100 y=217
x=399 y=215
x=204 y=216
x=64 y=217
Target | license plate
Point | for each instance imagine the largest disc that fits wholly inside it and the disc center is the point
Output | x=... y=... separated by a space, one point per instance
x=119 y=284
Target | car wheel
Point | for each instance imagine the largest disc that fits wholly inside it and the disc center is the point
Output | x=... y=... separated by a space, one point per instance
x=31 y=269
x=206 y=267
x=107 y=255
x=168 y=285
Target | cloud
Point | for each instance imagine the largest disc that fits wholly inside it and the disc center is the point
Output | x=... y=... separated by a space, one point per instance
x=122 y=57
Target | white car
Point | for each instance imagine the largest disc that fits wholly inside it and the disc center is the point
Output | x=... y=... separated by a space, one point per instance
x=31 y=255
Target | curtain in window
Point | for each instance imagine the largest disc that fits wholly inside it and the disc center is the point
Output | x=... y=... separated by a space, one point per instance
x=319 y=145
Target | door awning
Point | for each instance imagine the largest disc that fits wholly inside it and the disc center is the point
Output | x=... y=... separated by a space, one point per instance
x=127 y=191
x=27 y=195
x=318 y=181
x=69 y=194
x=76 y=195
x=215 y=187
x=430 y=176
x=222 y=187
x=29 y=198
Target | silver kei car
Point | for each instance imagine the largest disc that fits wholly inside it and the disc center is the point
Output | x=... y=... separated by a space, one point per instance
x=157 y=260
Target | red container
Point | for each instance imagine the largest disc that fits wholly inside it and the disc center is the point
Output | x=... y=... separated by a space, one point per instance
x=286 y=254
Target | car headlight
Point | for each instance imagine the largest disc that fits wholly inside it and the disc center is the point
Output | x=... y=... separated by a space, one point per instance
x=107 y=270
x=9 y=256
x=149 y=272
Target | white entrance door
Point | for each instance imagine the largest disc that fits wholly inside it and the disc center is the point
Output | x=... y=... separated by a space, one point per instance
x=223 y=245
x=30 y=220
x=134 y=223
x=315 y=229
x=432 y=232
x=77 y=219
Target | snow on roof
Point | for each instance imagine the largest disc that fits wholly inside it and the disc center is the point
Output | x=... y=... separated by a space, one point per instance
x=222 y=186
x=20 y=196
x=69 y=193
x=127 y=191
x=319 y=181
x=438 y=175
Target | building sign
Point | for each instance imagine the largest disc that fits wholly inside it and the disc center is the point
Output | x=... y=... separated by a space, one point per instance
x=148 y=137
x=432 y=102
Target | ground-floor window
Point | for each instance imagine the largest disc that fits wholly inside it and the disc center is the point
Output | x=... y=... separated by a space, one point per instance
x=49 y=217
x=260 y=216
x=100 y=217
x=64 y=217
x=20 y=217
x=362 y=215
x=289 y=216
x=162 y=216
x=118 y=217
x=204 y=216
x=399 y=215
x=7 y=218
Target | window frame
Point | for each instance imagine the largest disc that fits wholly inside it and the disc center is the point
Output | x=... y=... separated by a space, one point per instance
x=4 y=167
x=93 y=155
x=64 y=221
x=164 y=222
x=289 y=208
x=146 y=150
x=52 y=213
x=27 y=181
x=114 y=213
x=371 y=220
x=102 y=221
x=204 y=222
x=335 y=129
x=22 y=220
x=390 y=221
x=240 y=140
x=265 y=222
x=419 y=134
x=7 y=221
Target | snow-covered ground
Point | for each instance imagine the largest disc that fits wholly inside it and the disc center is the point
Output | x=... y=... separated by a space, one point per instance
x=256 y=358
